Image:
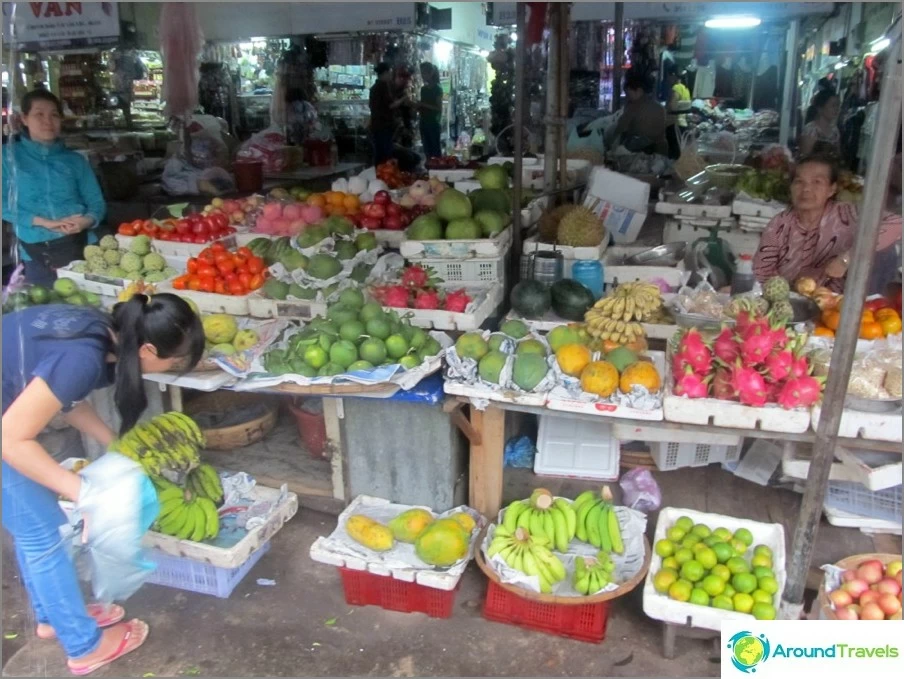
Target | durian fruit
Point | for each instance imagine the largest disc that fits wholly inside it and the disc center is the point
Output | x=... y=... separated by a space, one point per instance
x=580 y=228
x=549 y=223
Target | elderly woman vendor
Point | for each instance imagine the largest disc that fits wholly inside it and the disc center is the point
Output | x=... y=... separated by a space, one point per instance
x=814 y=237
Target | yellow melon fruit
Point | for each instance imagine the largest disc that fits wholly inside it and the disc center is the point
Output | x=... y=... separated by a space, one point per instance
x=443 y=543
x=573 y=358
x=409 y=524
x=643 y=373
x=600 y=378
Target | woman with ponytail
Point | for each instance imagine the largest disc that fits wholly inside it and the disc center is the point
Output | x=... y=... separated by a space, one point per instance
x=54 y=356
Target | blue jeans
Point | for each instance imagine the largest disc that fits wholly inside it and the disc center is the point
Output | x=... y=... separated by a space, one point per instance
x=32 y=515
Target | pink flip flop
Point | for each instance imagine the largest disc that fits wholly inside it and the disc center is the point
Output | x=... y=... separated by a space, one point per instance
x=103 y=614
x=122 y=649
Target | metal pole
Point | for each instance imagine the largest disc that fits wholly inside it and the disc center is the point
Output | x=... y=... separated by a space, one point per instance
x=517 y=180
x=553 y=59
x=619 y=54
x=887 y=124
x=564 y=77
x=790 y=82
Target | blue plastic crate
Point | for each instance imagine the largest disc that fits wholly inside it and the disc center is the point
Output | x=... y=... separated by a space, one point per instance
x=195 y=576
x=857 y=499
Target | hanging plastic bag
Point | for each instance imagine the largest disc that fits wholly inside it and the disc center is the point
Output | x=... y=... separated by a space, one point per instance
x=117 y=504
x=641 y=492
x=519 y=453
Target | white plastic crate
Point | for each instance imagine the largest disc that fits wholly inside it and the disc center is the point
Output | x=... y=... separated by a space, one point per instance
x=174 y=249
x=856 y=499
x=467 y=270
x=669 y=455
x=576 y=449
x=480 y=248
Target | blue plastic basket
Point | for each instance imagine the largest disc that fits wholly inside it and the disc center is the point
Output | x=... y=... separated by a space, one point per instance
x=195 y=576
x=857 y=499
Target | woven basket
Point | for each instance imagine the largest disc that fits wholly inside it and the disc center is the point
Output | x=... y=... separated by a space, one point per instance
x=623 y=589
x=238 y=435
x=822 y=603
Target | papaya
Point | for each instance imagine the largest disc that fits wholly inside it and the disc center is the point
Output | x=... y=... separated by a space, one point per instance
x=373 y=535
x=442 y=543
x=409 y=524
x=464 y=520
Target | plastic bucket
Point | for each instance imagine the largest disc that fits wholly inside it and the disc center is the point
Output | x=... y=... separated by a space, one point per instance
x=249 y=175
x=311 y=427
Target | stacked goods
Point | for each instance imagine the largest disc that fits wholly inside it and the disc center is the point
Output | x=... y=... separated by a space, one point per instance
x=512 y=345
x=392 y=176
x=64 y=291
x=528 y=554
x=620 y=372
x=437 y=542
x=461 y=217
x=617 y=318
x=569 y=299
x=423 y=193
x=224 y=337
x=543 y=516
x=238 y=211
x=592 y=574
x=871 y=591
x=754 y=362
x=354 y=337
x=286 y=219
x=382 y=213
x=769 y=177
x=531 y=299
x=716 y=568
x=168 y=442
x=417 y=289
x=879 y=319
x=196 y=228
x=223 y=272
x=137 y=262
x=190 y=513
x=775 y=302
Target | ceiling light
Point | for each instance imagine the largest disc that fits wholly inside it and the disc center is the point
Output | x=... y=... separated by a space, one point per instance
x=877 y=46
x=484 y=53
x=733 y=22
x=514 y=36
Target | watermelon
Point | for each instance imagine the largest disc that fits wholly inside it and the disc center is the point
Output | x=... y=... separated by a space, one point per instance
x=259 y=246
x=530 y=299
x=570 y=299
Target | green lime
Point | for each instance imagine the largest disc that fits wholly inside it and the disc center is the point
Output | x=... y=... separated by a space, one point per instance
x=343 y=353
x=692 y=571
x=361 y=366
x=699 y=597
x=723 y=602
x=379 y=328
x=676 y=534
x=680 y=590
x=418 y=338
x=713 y=585
x=325 y=341
x=370 y=311
x=744 y=582
x=768 y=585
x=351 y=331
x=761 y=597
x=671 y=562
x=373 y=350
x=763 y=612
x=316 y=356
x=330 y=370
x=738 y=546
x=721 y=571
x=763 y=572
x=699 y=547
x=685 y=523
x=729 y=591
x=762 y=550
x=683 y=555
x=761 y=561
x=410 y=361
x=690 y=540
x=723 y=551
x=396 y=346
x=664 y=579
x=707 y=558
x=744 y=536
x=299 y=367
x=664 y=548
x=711 y=541
x=737 y=565
x=701 y=531
x=743 y=603
x=722 y=533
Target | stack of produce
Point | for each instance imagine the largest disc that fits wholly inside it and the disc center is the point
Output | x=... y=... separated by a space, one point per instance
x=354 y=337
x=569 y=299
x=223 y=272
x=871 y=591
x=528 y=355
x=383 y=213
x=543 y=516
x=617 y=318
x=64 y=291
x=223 y=336
x=591 y=574
x=716 y=568
x=393 y=177
x=571 y=225
x=190 y=512
x=482 y=214
x=769 y=177
x=530 y=555
x=880 y=318
x=417 y=288
x=167 y=442
x=238 y=211
x=423 y=193
x=196 y=228
x=137 y=262
x=437 y=542
x=619 y=372
x=753 y=362
x=286 y=219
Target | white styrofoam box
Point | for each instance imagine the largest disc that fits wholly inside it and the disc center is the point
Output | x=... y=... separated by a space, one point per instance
x=108 y=286
x=207 y=381
x=751 y=209
x=485 y=300
x=669 y=455
x=526 y=162
x=633 y=432
x=576 y=449
x=451 y=175
x=857 y=425
x=466 y=185
x=532 y=244
x=854 y=498
x=458 y=249
x=532 y=170
x=173 y=249
x=475 y=391
x=389 y=238
x=620 y=201
x=693 y=210
x=467 y=270
x=842 y=519
x=212 y=303
x=672 y=275
x=875 y=471
x=261 y=306
x=661 y=607
x=740 y=242
x=718 y=413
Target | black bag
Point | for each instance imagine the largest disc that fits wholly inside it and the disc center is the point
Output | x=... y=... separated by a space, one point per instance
x=57 y=253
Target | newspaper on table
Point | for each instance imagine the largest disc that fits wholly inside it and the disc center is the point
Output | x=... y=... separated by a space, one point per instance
x=239 y=364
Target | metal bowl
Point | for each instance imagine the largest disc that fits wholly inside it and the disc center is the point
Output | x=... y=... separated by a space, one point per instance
x=725 y=175
x=805 y=309
x=663 y=255
x=872 y=405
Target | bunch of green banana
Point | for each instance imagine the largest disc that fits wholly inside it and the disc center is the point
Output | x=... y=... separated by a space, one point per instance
x=168 y=441
x=528 y=554
x=543 y=516
x=591 y=575
x=598 y=522
x=185 y=515
x=204 y=481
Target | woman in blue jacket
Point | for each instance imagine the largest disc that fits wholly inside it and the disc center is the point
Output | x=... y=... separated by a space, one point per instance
x=50 y=194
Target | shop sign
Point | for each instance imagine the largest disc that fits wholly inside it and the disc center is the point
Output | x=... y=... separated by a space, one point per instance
x=61 y=25
x=341 y=17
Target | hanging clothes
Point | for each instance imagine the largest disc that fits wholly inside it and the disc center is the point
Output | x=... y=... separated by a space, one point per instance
x=705 y=82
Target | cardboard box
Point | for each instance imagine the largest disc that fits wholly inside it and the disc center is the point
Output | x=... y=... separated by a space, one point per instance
x=622 y=203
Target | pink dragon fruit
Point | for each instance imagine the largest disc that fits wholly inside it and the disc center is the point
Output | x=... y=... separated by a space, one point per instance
x=457 y=301
x=693 y=353
x=691 y=385
x=780 y=337
x=427 y=299
x=726 y=347
x=755 y=347
x=748 y=323
x=415 y=277
x=800 y=392
x=750 y=385
x=392 y=295
x=800 y=367
x=778 y=365
x=723 y=387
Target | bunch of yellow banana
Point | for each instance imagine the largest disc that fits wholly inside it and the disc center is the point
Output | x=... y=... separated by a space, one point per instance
x=168 y=441
x=598 y=522
x=185 y=515
x=618 y=316
x=528 y=554
x=543 y=516
x=204 y=481
x=592 y=574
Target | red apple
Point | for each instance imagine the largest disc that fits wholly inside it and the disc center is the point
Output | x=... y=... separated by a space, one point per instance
x=846 y=614
x=840 y=598
x=889 y=604
x=855 y=588
x=849 y=575
x=897 y=577
x=382 y=198
x=888 y=586
x=393 y=223
x=393 y=210
x=872 y=611
x=855 y=608
x=868 y=597
x=371 y=223
x=871 y=571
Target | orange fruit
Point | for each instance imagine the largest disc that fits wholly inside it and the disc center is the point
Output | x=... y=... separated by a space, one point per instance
x=350 y=202
x=573 y=358
x=823 y=331
x=644 y=374
x=882 y=314
x=317 y=199
x=600 y=378
x=867 y=316
x=831 y=319
x=870 y=329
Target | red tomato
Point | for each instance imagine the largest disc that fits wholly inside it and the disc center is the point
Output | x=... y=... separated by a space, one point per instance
x=164 y=235
x=236 y=288
x=219 y=287
x=183 y=226
x=256 y=282
x=230 y=278
x=192 y=265
x=208 y=283
x=220 y=219
x=180 y=282
x=225 y=266
x=137 y=224
x=194 y=282
x=200 y=228
x=245 y=279
x=255 y=265
x=218 y=247
x=126 y=230
x=876 y=304
x=207 y=270
x=244 y=252
x=240 y=261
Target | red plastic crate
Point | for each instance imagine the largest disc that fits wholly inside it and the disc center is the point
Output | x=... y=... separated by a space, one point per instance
x=584 y=622
x=366 y=589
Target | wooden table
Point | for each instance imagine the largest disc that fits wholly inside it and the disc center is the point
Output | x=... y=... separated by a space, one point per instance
x=485 y=431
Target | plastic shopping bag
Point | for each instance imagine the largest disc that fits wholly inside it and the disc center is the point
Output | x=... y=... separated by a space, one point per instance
x=118 y=504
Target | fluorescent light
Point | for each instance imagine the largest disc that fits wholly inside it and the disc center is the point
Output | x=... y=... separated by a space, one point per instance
x=484 y=53
x=442 y=50
x=733 y=22
x=877 y=46
x=514 y=36
x=840 y=65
